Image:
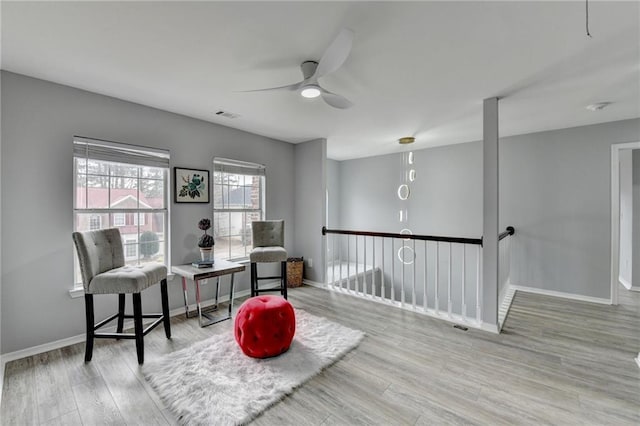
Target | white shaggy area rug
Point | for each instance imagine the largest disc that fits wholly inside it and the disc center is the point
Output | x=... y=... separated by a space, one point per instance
x=214 y=383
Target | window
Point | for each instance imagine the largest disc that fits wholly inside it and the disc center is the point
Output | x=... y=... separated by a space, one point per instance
x=142 y=219
x=238 y=199
x=118 y=219
x=95 y=222
x=130 y=249
x=124 y=186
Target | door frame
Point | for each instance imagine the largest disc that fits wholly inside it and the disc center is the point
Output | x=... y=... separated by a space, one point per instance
x=615 y=214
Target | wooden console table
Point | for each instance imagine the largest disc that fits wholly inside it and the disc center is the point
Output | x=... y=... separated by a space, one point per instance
x=219 y=269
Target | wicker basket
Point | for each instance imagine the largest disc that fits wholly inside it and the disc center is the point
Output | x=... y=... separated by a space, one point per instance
x=294 y=271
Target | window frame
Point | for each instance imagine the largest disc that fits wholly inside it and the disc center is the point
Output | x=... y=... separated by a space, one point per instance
x=131 y=242
x=78 y=289
x=251 y=170
x=122 y=216
x=142 y=215
x=95 y=216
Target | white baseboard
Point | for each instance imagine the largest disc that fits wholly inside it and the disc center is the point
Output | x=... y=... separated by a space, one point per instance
x=1 y=379
x=454 y=319
x=314 y=284
x=626 y=284
x=505 y=298
x=46 y=347
x=491 y=328
x=561 y=294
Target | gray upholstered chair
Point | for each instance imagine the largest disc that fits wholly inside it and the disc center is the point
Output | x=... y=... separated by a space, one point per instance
x=101 y=257
x=268 y=247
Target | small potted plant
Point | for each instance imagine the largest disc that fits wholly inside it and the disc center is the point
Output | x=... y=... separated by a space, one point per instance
x=206 y=241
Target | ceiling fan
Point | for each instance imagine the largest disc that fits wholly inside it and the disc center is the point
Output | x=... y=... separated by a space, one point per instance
x=331 y=60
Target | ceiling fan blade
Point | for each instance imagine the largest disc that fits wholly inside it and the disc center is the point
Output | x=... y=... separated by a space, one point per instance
x=336 y=53
x=289 y=87
x=335 y=100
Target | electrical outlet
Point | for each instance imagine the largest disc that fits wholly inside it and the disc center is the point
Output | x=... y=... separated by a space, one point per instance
x=310 y=263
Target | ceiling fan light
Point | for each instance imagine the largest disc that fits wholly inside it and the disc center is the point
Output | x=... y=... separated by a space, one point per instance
x=310 y=91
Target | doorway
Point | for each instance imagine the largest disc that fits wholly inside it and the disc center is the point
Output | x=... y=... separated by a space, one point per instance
x=621 y=245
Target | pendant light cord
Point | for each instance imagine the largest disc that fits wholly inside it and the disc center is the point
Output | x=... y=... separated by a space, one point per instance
x=586 y=4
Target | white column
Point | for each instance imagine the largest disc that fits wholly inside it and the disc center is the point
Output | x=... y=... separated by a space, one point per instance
x=490 y=214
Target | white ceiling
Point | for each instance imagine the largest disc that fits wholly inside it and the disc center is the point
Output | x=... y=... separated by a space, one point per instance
x=416 y=69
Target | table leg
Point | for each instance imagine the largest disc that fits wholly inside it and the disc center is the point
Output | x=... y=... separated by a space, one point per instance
x=184 y=293
x=197 y=282
x=217 y=291
x=231 y=296
x=208 y=318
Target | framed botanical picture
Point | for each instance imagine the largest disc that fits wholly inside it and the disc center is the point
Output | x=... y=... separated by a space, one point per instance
x=190 y=185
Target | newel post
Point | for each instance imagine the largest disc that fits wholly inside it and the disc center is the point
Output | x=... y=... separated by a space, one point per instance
x=489 y=310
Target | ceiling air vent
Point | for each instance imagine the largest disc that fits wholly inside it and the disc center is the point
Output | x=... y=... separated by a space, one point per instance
x=227 y=114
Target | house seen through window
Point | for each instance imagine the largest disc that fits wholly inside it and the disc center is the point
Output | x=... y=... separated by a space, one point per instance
x=95 y=222
x=126 y=187
x=238 y=199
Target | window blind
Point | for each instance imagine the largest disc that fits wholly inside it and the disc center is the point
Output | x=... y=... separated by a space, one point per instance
x=238 y=167
x=115 y=152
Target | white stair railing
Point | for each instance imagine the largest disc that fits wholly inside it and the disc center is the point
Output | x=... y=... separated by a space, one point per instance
x=434 y=275
x=505 y=292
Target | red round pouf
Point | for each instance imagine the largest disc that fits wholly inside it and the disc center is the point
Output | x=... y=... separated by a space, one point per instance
x=264 y=326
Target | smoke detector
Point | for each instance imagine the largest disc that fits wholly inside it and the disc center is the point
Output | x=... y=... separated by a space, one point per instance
x=598 y=106
x=227 y=114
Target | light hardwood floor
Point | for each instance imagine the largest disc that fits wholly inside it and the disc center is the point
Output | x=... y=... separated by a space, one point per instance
x=556 y=362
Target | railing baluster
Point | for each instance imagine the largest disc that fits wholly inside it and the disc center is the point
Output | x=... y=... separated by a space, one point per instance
x=424 y=283
x=464 y=282
x=373 y=268
x=347 y=260
x=413 y=280
x=449 y=302
x=393 y=270
x=402 y=295
x=333 y=261
x=340 y=261
x=478 y=285
x=364 y=267
x=382 y=289
x=437 y=305
x=357 y=269
x=350 y=268
x=357 y=283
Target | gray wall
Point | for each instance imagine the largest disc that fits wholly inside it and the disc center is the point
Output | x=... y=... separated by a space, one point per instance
x=446 y=197
x=626 y=216
x=554 y=188
x=310 y=195
x=636 y=218
x=333 y=201
x=334 y=192
x=1 y=236
x=39 y=120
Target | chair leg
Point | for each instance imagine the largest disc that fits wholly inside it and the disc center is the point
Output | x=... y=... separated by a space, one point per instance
x=254 y=279
x=121 y=304
x=283 y=278
x=88 y=305
x=165 y=308
x=137 y=322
